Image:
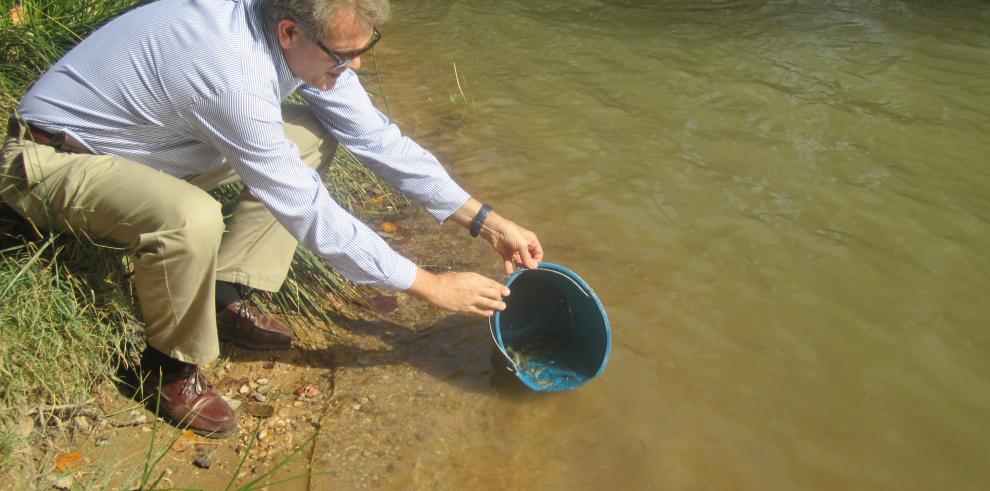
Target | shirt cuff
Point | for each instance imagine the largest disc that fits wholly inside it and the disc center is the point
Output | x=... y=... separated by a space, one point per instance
x=402 y=276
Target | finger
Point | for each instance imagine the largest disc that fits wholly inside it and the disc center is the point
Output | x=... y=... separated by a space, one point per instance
x=492 y=291
x=489 y=304
x=510 y=266
x=527 y=259
x=536 y=249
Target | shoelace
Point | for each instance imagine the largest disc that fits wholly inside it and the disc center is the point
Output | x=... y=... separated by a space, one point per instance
x=198 y=383
x=246 y=308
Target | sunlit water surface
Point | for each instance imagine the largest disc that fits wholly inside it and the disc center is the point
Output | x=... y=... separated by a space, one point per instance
x=784 y=206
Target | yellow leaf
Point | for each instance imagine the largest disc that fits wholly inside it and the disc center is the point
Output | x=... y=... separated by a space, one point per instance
x=378 y=200
x=68 y=461
x=389 y=227
x=185 y=441
x=17 y=17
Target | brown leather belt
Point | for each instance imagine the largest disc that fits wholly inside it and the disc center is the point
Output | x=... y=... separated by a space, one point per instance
x=61 y=141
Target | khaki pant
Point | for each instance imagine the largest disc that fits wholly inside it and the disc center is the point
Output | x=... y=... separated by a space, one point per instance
x=173 y=226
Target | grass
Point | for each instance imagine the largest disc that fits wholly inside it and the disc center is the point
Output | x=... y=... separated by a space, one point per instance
x=68 y=317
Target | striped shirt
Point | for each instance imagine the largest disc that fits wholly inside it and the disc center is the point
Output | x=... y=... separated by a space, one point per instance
x=184 y=86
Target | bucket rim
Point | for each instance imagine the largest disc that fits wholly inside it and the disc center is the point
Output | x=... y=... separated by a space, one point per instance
x=495 y=320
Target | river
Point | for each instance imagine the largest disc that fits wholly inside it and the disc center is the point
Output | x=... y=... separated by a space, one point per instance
x=782 y=206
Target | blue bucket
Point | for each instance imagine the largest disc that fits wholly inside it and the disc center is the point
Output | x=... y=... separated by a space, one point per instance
x=554 y=333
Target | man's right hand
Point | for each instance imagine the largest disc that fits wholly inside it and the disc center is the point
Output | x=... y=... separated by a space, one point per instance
x=467 y=293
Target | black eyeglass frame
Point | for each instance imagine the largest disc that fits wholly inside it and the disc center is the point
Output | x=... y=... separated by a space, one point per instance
x=341 y=60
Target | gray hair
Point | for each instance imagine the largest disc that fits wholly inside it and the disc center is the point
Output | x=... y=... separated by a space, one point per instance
x=314 y=15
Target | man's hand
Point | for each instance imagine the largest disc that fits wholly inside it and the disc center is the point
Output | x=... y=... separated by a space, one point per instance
x=467 y=293
x=518 y=246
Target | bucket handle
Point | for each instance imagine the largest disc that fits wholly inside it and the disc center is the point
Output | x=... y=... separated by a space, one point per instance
x=491 y=325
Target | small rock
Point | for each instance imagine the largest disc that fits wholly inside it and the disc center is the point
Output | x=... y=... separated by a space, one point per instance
x=233 y=403
x=259 y=397
x=64 y=482
x=307 y=392
x=264 y=389
x=357 y=407
x=102 y=442
x=244 y=389
x=262 y=435
x=205 y=461
x=263 y=381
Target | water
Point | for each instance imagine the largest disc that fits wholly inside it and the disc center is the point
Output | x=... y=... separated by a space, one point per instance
x=784 y=207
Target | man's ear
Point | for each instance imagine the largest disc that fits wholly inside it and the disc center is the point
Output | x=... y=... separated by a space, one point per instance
x=288 y=33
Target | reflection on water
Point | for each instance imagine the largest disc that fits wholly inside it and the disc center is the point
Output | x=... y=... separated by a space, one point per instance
x=784 y=207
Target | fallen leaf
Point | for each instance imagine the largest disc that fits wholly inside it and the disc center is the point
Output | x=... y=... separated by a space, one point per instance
x=378 y=200
x=385 y=303
x=389 y=227
x=17 y=17
x=69 y=460
x=259 y=410
x=185 y=441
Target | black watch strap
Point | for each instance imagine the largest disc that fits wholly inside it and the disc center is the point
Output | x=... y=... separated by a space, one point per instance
x=479 y=219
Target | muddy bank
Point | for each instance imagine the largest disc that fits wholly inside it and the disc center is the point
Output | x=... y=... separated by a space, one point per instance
x=385 y=399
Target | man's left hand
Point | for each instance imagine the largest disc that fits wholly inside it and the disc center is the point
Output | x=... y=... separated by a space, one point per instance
x=517 y=245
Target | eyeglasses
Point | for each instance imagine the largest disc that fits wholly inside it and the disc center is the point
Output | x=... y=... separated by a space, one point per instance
x=342 y=59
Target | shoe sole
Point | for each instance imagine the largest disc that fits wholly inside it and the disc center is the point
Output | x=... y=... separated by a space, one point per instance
x=149 y=404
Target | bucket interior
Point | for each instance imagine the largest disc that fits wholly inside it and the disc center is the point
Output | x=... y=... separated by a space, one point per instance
x=553 y=330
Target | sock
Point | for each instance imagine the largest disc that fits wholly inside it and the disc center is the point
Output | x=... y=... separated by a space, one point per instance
x=227 y=293
x=152 y=359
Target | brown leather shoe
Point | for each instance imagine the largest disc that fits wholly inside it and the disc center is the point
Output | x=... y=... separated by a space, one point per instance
x=244 y=325
x=188 y=401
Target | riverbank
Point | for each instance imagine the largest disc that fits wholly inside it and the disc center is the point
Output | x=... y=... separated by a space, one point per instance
x=358 y=403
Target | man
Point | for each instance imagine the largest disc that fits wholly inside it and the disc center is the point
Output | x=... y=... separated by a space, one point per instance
x=122 y=137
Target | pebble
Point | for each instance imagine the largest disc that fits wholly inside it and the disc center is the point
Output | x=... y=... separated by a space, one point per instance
x=64 y=482
x=244 y=389
x=263 y=381
x=205 y=461
x=233 y=403
x=259 y=397
x=264 y=389
x=357 y=407
x=262 y=434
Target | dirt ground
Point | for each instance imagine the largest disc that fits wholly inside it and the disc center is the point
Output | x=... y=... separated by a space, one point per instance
x=348 y=407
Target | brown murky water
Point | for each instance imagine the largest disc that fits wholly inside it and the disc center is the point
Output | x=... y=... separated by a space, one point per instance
x=783 y=205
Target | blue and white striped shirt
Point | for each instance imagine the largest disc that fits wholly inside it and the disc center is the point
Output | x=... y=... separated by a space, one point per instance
x=186 y=85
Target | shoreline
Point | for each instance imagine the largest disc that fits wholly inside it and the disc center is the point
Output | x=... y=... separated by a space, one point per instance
x=378 y=393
